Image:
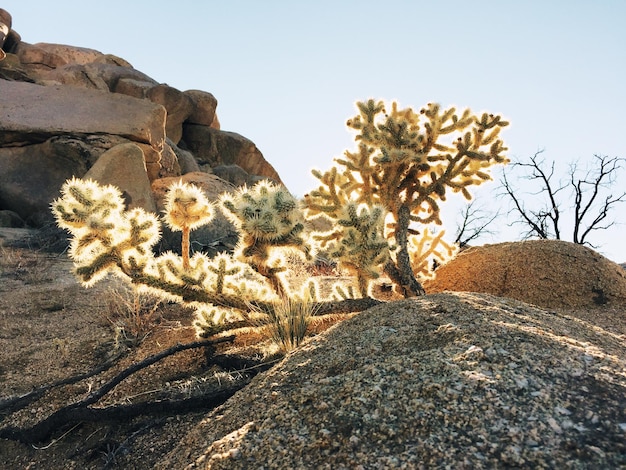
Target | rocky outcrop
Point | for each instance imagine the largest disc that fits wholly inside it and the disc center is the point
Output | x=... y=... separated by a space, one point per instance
x=214 y=148
x=32 y=113
x=443 y=381
x=62 y=108
x=549 y=273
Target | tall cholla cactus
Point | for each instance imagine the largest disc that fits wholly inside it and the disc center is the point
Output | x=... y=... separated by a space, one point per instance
x=269 y=222
x=407 y=168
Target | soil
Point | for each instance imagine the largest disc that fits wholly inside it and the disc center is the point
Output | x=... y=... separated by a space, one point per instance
x=51 y=328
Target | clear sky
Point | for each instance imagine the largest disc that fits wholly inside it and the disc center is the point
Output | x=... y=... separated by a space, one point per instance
x=287 y=73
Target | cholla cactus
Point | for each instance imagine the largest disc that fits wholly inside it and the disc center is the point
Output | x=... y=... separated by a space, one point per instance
x=428 y=251
x=105 y=235
x=269 y=222
x=107 y=238
x=357 y=243
x=186 y=208
x=407 y=167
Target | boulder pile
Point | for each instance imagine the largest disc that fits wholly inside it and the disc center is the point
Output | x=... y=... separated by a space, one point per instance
x=71 y=111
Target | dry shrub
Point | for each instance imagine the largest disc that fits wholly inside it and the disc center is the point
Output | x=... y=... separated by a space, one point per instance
x=132 y=314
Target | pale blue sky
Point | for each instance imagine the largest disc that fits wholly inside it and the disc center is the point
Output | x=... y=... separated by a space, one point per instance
x=287 y=73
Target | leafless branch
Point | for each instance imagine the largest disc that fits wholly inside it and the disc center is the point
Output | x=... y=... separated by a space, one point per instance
x=545 y=221
x=591 y=185
x=474 y=223
x=590 y=207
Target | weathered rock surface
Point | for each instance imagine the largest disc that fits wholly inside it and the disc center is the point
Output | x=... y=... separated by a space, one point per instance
x=62 y=107
x=214 y=148
x=101 y=76
x=204 y=106
x=124 y=167
x=178 y=107
x=445 y=381
x=32 y=175
x=30 y=112
x=549 y=273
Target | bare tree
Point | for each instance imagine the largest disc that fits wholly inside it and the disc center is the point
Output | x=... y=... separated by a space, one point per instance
x=591 y=204
x=474 y=223
x=588 y=199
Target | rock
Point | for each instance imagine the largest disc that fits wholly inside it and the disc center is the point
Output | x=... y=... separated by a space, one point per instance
x=50 y=56
x=236 y=175
x=5 y=27
x=550 y=273
x=178 y=107
x=8 y=37
x=204 y=105
x=10 y=219
x=101 y=76
x=443 y=381
x=186 y=160
x=133 y=87
x=168 y=164
x=219 y=235
x=123 y=166
x=216 y=123
x=32 y=176
x=213 y=148
x=11 y=69
x=31 y=112
x=62 y=107
x=6 y=19
x=74 y=75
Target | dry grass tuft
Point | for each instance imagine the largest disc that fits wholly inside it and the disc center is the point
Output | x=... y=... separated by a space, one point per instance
x=131 y=314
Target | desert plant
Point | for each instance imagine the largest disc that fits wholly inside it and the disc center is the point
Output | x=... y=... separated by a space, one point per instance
x=106 y=238
x=376 y=197
x=131 y=313
x=379 y=195
x=289 y=320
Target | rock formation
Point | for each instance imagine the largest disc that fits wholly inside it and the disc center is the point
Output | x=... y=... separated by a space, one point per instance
x=64 y=108
x=450 y=380
x=548 y=273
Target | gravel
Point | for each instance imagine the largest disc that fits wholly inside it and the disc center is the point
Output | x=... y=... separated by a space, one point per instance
x=450 y=380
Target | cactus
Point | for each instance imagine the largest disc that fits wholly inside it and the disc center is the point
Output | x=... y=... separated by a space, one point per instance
x=270 y=223
x=378 y=197
x=407 y=168
x=109 y=239
x=186 y=208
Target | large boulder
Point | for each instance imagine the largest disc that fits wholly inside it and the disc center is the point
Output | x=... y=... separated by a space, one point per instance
x=549 y=273
x=32 y=175
x=213 y=148
x=444 y=381
x=204 y=105
x=31 y=112
x=100 y=76
x=48 y=56
x=178 y=105
x=217 y=236
x=124 y=167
